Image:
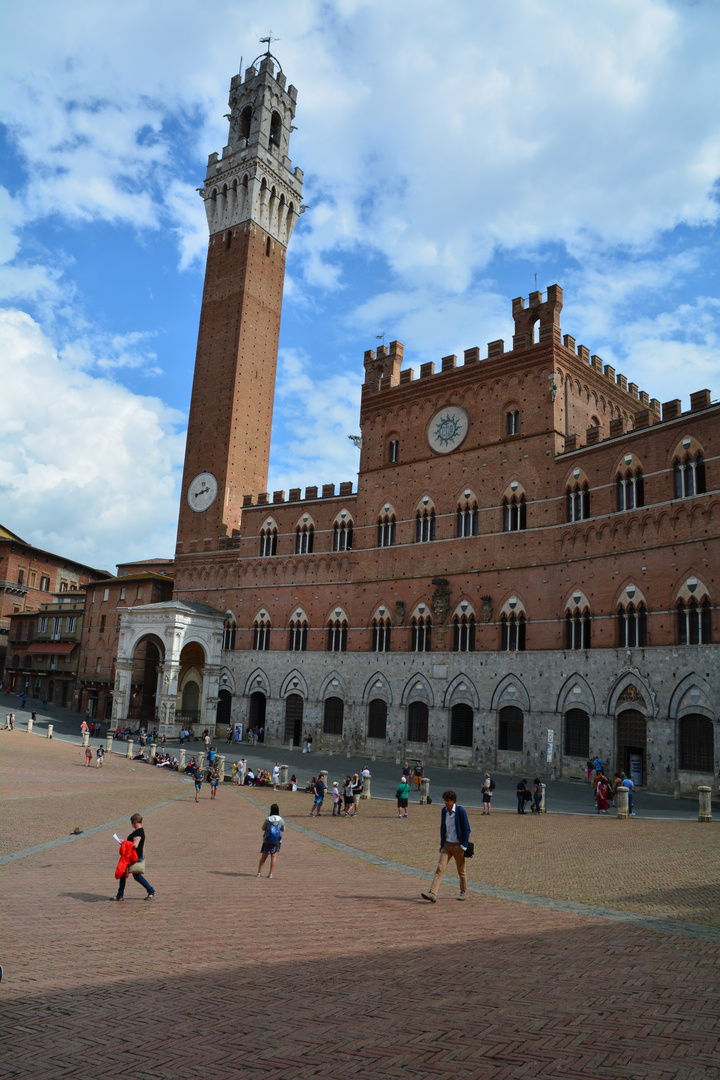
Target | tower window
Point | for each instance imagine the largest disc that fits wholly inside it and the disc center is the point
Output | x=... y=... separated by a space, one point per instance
x=393 y=451
x=690 y=477
x=630 y=490
x=424 y=526
x=275 y=130
x=514 y=514
x=513 y=422
x=304 y=535
x=267 y=247
x=245 y=121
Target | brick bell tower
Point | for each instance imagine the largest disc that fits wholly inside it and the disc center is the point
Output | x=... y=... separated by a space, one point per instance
x=252 y=199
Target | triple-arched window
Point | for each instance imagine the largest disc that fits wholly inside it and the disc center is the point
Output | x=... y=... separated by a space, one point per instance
x=342 y=535
x=304 y=536
x=630 y=489
x=464 y=633
x=512 y=633
x=229 y=634
x=578 y=502
x=632 y=626
x=424 y=525
x=577 y=629
x=268 y=541
x=381 y=634
x=694 y=622
x=689 y=476
x=261 y=633
x=386 y=530
x=337 y=635
x=298 y=634
x=514 y=513
x=420 y=633
x=467 y=518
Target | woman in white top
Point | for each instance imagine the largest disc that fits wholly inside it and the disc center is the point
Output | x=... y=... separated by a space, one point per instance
x=272 y=827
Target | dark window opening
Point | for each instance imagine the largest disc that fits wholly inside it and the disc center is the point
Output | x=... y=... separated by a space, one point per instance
x=461 y=725
x=632 y=626
x=696 y=743
x=381 y=635
x=424 y=526
x=333 y=712
x=577 y=733
x=577 y=630
x=513 y=422
x=464 y=633
x=512 y=633
x=377 y=719
x=420 y=634
x=510 y=729
x=337 y=636
x=630 y=490
x=418 y=714
x=514 y=514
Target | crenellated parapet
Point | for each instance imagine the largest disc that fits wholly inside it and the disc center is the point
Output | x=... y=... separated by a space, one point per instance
x=294 y=495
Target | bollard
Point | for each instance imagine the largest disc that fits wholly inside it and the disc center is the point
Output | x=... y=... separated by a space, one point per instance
x=49 y=731
x=130 y=748
x=86 y=738
x=181 y=759
x=108 y=744
x=451 y=761
x=29 y=727
x=284 y=776
x=324 y=776
x=367 y=780
x=678 y=792
x=373 y=756
x=153 y=751
x=221 y=766
x=424 y=789
x=349 y=750
x=291 y=745
x=623 y=802
x=704 y=805
x=397 y=758
x=543 y=809
x=200 y=759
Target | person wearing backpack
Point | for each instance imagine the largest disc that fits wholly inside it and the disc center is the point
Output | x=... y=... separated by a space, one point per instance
x=273 y=827
x=488 y=786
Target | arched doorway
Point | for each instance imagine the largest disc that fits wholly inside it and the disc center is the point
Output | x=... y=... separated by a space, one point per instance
x=632 y=744
x=294 y=706
x=147 y=657
x=188 y=709
x=256 y=719
x=224 y=708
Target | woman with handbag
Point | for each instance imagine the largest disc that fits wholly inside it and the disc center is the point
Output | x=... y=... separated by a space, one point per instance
x=137 y=869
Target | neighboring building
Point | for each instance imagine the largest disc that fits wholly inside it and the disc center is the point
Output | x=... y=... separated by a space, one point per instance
x=532 y=546
x=135 y=586
x=44 y=650
x=29 y=576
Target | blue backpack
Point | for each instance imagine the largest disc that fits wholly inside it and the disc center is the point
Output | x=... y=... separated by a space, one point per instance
x=273 y=836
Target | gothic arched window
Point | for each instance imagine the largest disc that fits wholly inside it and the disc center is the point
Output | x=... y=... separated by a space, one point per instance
x=421 y=629
x=337 y=635
x=229 y=634
x=632 y=626
x=694 y=622
x=245 y=121
x=377 y=719
x=424 y=526
x=630 y=489
x=261 y=633
x=689 y=476
x=418 y=716
x=578 y=502
x=467 y=518
x=304 y=535
x=512 y=633
x=464 y=633
x=577 y=629
x=386 y=531
x=298 y=634
x=268 y=541
x=381 y=634
x=342 y=535
x=514 y=514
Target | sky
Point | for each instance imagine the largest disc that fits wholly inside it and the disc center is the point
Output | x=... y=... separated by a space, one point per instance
x=452 y=151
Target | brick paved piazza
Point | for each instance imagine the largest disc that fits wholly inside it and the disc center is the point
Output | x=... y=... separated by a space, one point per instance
x=588 y=947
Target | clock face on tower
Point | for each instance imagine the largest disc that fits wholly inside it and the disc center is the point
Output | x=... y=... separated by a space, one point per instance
x=447 y=429
x=202 y=491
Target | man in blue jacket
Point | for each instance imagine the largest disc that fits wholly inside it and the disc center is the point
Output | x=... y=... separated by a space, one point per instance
x=454 y=838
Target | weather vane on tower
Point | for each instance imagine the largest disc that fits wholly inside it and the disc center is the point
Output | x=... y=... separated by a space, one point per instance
x=268 y=41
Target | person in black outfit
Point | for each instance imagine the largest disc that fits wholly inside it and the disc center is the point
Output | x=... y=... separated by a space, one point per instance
x=520 y=792
x=137 y=836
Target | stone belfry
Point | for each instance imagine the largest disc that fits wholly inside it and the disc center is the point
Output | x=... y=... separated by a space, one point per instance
x=252 y=198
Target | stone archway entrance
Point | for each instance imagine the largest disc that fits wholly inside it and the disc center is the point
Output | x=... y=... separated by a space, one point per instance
x=632 y=745
x=294 y=706
x=146 y=660
x=224 y=709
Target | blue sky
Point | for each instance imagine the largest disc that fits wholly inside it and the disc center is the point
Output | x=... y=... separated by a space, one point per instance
x=451 y=152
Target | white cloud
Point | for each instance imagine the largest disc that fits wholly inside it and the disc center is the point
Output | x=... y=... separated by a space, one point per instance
x=313 y=417
x=88 y=468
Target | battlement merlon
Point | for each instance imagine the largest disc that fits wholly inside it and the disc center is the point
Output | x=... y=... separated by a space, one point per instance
x=385 y=365
x=547 y=313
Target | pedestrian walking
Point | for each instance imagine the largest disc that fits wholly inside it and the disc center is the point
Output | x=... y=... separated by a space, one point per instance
x=137 y=869
x=88 y=755
x=198 y=778
x=402 y=794
x=454 y=840
x=488 y=786
x=522 y=794
x=234 y=778
x=336 y=799
x=276 y=775
x=214 y=782
x=537 y=792
x=319 y=793
x=273 y=827
x=99 y=757
x=630 y=785
x=601 y=802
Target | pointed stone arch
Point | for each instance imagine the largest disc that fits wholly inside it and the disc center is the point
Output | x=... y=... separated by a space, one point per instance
x=294 y=683
x=681 y=701
x=377 y=686
x=461 y=691
x=257 y=680
x=333 y=685
x=627 y=679
x=567 y=697
x=503 y=694
x=418 y=688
